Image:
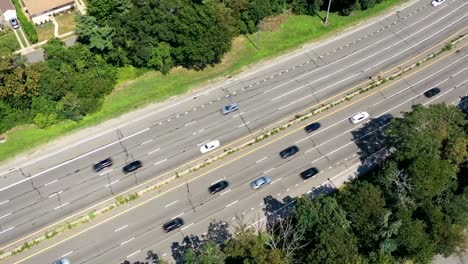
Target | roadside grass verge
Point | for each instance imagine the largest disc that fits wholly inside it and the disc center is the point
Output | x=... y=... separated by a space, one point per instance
x=137 y=88
x=8 y=43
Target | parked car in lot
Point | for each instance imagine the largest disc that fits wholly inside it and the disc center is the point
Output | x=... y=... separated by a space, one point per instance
x=260 y=182
x=132 y=166
x=312 y=127
x=14 y=23
x=230 y=108
x=359 y=117
x=173 y=224
x=217 y=187
x=437 y=2
x=209 y=146
x=103 y=164
x=431 y=92
x=309 y=173
x=289 y=152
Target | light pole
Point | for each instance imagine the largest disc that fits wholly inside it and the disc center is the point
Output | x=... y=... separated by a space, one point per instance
x=328 y=12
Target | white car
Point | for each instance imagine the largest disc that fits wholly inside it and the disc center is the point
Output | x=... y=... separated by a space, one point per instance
x=209 y=146
x=359 y=117
x=437 y=2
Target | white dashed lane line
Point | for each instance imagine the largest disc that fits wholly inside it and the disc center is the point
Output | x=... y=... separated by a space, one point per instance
x=179 y=215
x=185 y=227
x=134 y=253
x=120 y=228
x=232 y=203
x=56 y=180
x=167 y=205
x=146 y=142
x=159 y=162
x=104 y=173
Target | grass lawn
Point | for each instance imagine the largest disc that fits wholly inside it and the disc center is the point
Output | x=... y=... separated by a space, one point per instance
x=66 y=22
x=45 y=31
x=137 y=88
x=8 y=43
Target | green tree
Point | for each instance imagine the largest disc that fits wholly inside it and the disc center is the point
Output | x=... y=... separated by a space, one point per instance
x=431 y=178
x=365 y=220
x=249 y=248
x=434 y=132
x=306 y=7
x=210 y=253
x=413 y=242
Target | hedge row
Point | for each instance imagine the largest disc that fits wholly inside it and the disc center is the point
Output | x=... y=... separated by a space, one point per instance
x=28 y=27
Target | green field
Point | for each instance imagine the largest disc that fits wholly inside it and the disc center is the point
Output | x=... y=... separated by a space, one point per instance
x=137 y=88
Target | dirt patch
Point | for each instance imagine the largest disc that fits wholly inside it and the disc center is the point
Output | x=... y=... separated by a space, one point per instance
x=274 y=22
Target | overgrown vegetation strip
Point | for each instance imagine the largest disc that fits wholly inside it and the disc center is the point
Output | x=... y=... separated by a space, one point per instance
x=27 y=26
x=121 y=200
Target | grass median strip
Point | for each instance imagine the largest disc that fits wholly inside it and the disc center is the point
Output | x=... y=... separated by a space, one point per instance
x=152 y=87
x=121 y=200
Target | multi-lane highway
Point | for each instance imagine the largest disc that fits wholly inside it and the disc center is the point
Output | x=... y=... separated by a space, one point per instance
x=58 y=184
x=132 y=231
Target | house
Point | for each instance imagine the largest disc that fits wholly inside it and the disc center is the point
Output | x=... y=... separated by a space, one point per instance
x=7 y=11
x=40 y=11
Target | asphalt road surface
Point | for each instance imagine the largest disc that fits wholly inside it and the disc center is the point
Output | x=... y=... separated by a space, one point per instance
x=337 y=149
x=36 y=193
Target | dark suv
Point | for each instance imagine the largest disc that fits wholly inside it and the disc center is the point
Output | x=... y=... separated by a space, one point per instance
x=102 y=164
x=173 y=224
x=132 y=166
x=312 y=127
x=432 y=92
x=309 y=173
x=217 y=187
x=289 y=152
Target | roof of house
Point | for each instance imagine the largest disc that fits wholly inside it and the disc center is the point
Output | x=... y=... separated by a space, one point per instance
x=6 y=5
x=40 y=6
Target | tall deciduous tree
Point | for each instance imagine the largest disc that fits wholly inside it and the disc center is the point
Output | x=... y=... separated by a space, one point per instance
x=365 y=208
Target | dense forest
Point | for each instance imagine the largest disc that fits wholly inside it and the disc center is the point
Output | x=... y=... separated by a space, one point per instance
x=152 y=34
x=413 y=206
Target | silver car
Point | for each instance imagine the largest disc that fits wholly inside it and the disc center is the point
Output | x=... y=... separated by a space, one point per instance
x=230 y=108
x=260 y=182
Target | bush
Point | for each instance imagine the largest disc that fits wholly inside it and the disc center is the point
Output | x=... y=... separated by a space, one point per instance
x=45 y=120
x=27 y=26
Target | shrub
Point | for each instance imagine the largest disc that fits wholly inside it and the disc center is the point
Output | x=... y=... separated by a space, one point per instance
x=45 y=120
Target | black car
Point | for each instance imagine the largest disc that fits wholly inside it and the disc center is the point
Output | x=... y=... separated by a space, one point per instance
x=173 y=224
x=309 y=173
x=217 y=187
x=289 y=152
x=432 y=92
x=312 y=127
x=132 y=166
x=102 y=164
